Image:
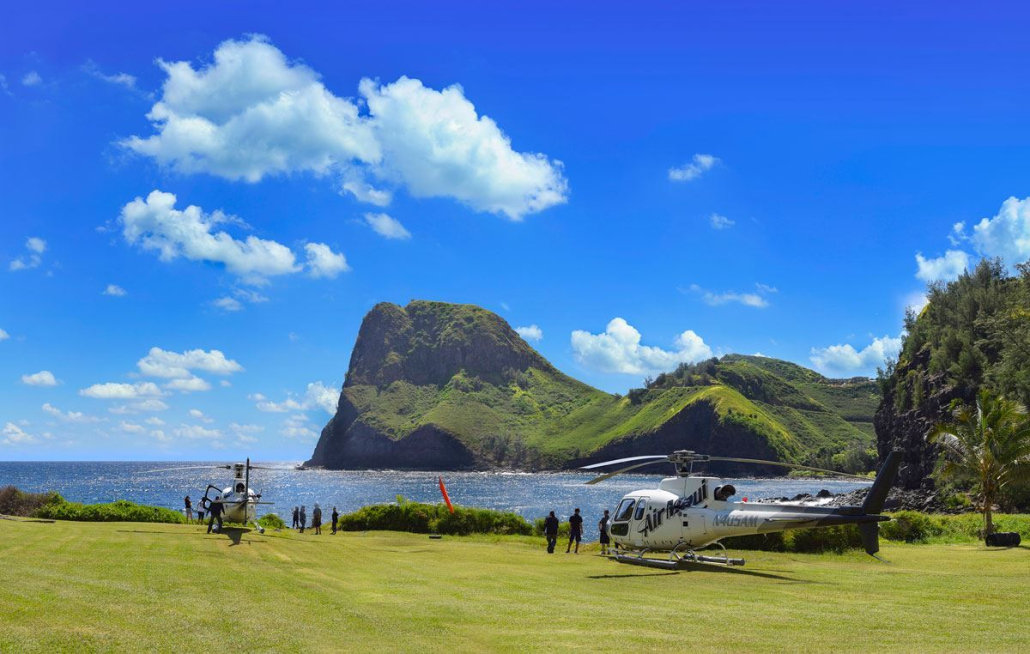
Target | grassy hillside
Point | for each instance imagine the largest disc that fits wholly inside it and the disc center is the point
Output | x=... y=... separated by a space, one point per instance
x=127 y=587
x=463 y=371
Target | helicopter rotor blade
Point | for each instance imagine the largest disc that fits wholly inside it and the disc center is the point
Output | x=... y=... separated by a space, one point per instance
x=215 y=467
x=786 y=465
x=626 y=460
x=597 y=480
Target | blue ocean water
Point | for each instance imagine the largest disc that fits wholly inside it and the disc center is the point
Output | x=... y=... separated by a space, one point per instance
x=529 y=494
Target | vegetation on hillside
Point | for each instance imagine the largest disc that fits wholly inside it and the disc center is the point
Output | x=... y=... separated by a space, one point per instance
x=15 y=502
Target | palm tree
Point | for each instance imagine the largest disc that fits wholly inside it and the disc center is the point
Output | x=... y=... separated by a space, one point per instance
x=990 y=442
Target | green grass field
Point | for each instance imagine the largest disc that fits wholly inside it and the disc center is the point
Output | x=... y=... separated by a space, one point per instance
x=124 y=586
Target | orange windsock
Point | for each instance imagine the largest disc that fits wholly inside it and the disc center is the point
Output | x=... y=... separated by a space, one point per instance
x=446 y=499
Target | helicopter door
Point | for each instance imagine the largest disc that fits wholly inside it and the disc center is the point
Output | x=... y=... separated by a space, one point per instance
x=637 y=528
x=620 y=523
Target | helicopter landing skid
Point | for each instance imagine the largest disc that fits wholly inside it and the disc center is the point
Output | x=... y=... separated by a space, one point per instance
x=679 y=559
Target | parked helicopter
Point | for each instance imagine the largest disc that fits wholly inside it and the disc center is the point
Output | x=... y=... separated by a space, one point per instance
x=239 y=501
x=687 y=513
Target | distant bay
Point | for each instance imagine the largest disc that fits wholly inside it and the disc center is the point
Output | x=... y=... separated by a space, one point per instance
x=529 y=494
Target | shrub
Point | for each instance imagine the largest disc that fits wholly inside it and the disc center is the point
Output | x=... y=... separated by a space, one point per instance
x=421 y=518
x=271 y=521
x=912 y=527
x=20 y=503
x=120 y=511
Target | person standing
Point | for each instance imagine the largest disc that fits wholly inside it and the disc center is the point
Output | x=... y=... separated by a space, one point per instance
x=316 y=519
x=336 y=518
x=296 y=516
x=303 y=517
x=551 y=532
x=575 y=530
x=216 y=514
x=189 y=510
x=602 y=527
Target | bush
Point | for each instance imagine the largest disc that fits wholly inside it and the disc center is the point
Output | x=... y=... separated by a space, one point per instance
x=434 y=518
x=912 y=527
x=120 y=511
x=271 y=521
x=20 y=503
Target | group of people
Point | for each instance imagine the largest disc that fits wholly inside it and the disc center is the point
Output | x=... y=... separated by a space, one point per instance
x=214 y=511
x=300 y=519
x=551 y=524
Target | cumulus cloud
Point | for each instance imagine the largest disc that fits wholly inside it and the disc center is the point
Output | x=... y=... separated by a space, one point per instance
x=41 y=378
x=530 y=333
x=152 y=404
x=196 y=432
x=15 y=435
x=120 y=391
x=845 y=358
x=1007 y=234
x=252 y=113
x=31 y=78
x=154 y=421
x=36 y=247
x=747 y=299
x=75 y=417
x=316 y=395
x=618 y=349
x=697 y=166
x=188 y=385
x=228 y=304
x=323 y=262
x=387 y=227
x=131 y=427
x=719 y=221
x=180 y=365
x=946 y=268
x=115 y=291
x=298 y=426
x=199 y=415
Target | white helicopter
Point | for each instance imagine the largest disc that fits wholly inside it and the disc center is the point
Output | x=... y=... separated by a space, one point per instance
x=239 y=501
x=687 y=513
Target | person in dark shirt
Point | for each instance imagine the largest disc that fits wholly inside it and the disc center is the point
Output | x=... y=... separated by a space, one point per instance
x=575 y=531
x=216 y=514
x=551 y=532
x=336 y=518
x=296 y=516
x=316 y=520
x=303 y=518
x=189 y=510
x=602 y=527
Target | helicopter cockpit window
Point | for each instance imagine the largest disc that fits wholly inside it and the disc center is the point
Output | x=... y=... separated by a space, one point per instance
x=641 y=505
x=239 y=488
x=625 y=510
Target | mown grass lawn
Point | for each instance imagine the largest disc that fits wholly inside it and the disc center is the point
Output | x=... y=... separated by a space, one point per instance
x=121 y=586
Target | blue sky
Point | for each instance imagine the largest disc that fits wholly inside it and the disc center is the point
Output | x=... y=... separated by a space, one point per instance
x=643 y=186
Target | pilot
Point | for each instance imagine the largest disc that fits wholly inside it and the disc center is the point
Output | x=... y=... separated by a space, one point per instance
x=215 y=511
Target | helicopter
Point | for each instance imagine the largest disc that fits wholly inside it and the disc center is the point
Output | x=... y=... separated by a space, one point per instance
x=687 y=513
x=239 y=501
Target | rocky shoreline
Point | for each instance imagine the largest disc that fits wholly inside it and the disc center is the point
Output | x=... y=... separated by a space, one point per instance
x=898 y=499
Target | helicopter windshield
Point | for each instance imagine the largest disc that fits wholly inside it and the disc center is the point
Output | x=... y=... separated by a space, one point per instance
x=625 y=510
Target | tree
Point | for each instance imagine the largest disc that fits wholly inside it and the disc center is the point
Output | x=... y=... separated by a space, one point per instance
x=988 y=442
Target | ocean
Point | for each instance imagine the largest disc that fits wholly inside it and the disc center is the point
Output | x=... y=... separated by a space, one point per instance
x=529 y=494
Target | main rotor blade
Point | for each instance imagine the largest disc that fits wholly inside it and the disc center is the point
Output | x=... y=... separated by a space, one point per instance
x=630 y=458
x=787 y=465
x=141 y=472
x=597 y=480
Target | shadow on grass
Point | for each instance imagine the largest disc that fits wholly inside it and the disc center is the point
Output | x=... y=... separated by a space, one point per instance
x=707 y=567
x=631 y=576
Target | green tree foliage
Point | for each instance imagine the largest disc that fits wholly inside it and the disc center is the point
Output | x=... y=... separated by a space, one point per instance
x=988 y=442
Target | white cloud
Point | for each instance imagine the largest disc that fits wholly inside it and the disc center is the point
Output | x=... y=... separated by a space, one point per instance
x=119 y=79
x=152 y=404
x=530 y=333
x=31 y=78
x=747 y=299
x=719 y=221
x=36 y=247
x=227 y=303
x=115 y=291
x=765 y=288
x=15 y=435
x=916 y=302
x=618 y=349
x=317 y=394
x=199 y=415
x=699 y=164
x=154 y=421
x=387 y=227
x=252 y=113
x=225 y=383
x=300 y=427
x=76 y=417
x=131 y=427
x=845 y=358
x=180 y=365
x=4 y=87
x=947 y=267
x=41 y=378
x=245 y=433
x=1007 y=234
x=323 y=262
x=4 y=335
x=188 y=385
x=196 y=431
x=160 y=436
x=155 y=224
x=120 y=391
x=239 y=296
